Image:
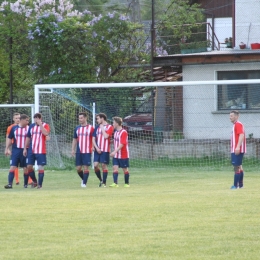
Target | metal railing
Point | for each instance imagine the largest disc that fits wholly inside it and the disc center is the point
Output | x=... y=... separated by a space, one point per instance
x=173 y=44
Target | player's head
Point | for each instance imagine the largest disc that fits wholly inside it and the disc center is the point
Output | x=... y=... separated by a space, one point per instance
x=117 y=122
x=82 y=118
x=37 y=116
x=234 y=114
x=101 y=117
x=16 y=118
x=24 y=120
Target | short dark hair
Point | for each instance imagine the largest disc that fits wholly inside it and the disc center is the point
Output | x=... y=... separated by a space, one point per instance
x=236 y=112
x=23 y=117
x=82 y=114
x=102 y=115
x=16 y=114
x=118 y=120
x=37 y=115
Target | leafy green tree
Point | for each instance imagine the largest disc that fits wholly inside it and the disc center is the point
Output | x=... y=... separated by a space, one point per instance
x=15 y=51
x=178 y=23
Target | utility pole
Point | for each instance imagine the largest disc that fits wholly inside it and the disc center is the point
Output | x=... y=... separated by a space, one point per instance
x=152 y=37
x=135 y=15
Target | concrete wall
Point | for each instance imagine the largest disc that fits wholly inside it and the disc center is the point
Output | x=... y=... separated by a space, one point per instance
x=247 y=21
x=201 y=118
x=184 y=148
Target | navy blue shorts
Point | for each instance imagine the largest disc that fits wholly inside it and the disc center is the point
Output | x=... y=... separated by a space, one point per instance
x=102 y=157
x=83 y=159
x=40 y=158
x=236 y=160
x=17 y=158
x=122 y=163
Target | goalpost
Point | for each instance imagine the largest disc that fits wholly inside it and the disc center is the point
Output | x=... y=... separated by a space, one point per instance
x=183 y=123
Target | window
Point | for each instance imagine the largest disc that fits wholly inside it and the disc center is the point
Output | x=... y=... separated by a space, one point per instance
x=239 y=96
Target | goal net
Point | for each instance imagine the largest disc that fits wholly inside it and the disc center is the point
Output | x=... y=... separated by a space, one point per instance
x=169 y=123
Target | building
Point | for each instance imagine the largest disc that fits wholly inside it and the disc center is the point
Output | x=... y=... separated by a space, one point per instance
x=206 y=108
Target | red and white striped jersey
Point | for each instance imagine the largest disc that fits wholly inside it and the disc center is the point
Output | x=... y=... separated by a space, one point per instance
x=84 y=134
x=121 y=137
x=102 y=142
x=18 y=135
x=38 y=139
x=238 y=129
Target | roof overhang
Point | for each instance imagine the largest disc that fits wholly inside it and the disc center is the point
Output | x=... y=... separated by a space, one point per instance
x=212 y=57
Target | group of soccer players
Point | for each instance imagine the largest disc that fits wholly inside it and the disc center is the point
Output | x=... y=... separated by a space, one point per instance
x=29 y=146
x=87 y=139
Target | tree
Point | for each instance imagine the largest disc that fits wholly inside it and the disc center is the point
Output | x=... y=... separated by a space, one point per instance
x=84 y=47
x=15 y=52
x=178 y=23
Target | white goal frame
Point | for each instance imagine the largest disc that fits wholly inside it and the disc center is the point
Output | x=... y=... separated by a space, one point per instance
x=157 y=146
x=39 y=87
x=32 y=106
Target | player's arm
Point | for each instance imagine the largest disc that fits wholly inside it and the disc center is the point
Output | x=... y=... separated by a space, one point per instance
x=9 y=138
x=104 y=133
x=45 y=131
x=26 y=145
x=7 y=146
x=73 y=148
x=95 y=144
x=119 y=148
x=239 y=143
x=116 y=150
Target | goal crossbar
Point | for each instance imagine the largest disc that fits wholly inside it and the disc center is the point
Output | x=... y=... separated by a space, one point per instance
x=38 y=87
x=32 y=106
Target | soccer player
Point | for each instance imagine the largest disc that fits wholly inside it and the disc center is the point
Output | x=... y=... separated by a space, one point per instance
x=16 y=138
x=121 y=152
x=82 y=147
x=16 y=120
x=238 y=148
x=101 y=142
x=36 y=138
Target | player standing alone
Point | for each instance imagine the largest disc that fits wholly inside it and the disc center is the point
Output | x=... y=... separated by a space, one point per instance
x=16 y=138
x=101 y=142
x=121 y=152
x=82 y=141
x=36 y=140
x=238 y=148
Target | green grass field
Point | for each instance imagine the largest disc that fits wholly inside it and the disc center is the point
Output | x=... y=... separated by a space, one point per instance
x=165 y=214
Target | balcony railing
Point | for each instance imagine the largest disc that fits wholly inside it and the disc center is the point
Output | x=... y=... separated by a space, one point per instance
x=202 y=35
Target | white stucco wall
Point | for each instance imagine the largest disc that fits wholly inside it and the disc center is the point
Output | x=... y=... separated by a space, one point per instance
x=200 y=104
x=223 y=29
x=247 y=21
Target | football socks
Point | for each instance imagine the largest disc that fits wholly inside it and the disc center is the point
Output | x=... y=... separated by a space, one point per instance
x=26 y=178
x=97 y=172
x=85 y=177
x=10 y=177
x=33 y=177
x=115 y=177
x=80 y=174
x=105 y=172
x=127 y=177
x=41 y=176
